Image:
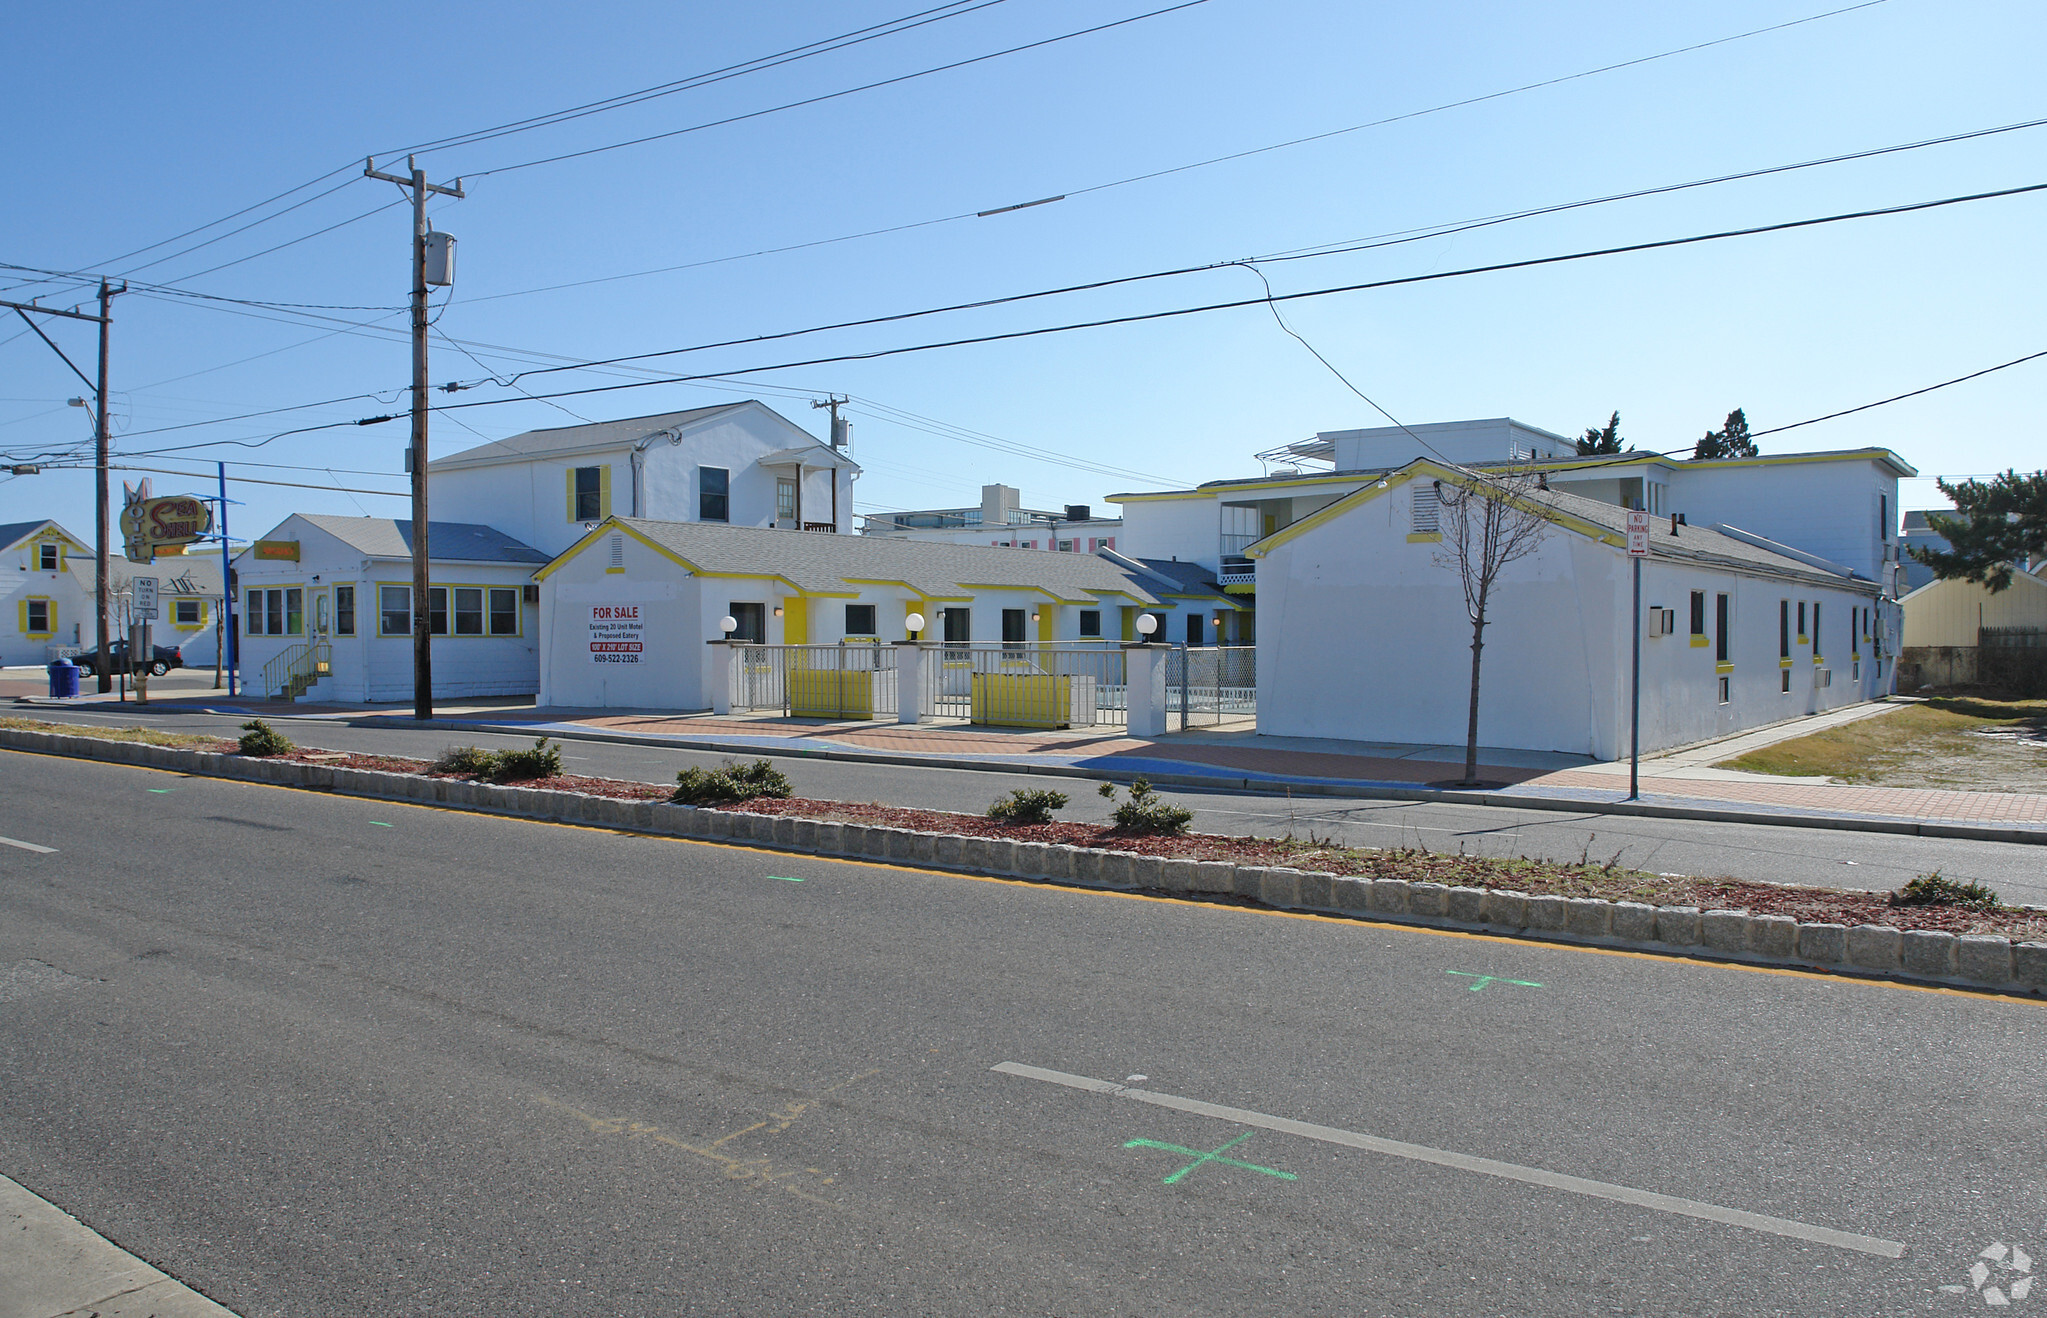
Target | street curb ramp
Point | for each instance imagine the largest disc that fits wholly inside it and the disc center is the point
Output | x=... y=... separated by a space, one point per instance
x=1975 y=961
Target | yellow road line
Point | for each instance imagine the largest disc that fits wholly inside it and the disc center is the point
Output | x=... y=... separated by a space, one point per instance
x=1831 y=977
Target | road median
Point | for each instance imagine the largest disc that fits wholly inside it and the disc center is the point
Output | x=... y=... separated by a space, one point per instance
x=1980 y=961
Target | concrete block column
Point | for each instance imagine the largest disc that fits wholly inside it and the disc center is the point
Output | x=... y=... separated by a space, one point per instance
x=721 y=674
x=909 y=681
x=1145 y=666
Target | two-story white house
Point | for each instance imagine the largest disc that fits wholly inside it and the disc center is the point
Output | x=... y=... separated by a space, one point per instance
x=737 y=464
x=43 y=607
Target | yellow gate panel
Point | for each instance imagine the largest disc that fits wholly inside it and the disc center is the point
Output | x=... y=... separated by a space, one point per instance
x=1022 y=700
x=829 y=693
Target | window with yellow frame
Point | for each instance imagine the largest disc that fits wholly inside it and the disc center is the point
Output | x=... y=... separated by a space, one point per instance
x=38 y=617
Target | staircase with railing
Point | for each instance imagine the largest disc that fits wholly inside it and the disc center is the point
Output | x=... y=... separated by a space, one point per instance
x=290 y=674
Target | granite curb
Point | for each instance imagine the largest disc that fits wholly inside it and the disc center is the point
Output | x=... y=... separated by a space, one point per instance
x=1977 y=961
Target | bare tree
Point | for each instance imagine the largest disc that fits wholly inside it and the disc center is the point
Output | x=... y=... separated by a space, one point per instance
x=1487 y=522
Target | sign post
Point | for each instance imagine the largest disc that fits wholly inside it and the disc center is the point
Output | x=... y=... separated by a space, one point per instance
x=1638 y=549
x=141 y=612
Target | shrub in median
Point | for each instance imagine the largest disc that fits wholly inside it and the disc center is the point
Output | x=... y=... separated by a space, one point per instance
x=468 y=761
x=1933 y=890
x=543 y=761
x=1027 y=805
x=734 y=782
x=260 y=739
x=1146 y=811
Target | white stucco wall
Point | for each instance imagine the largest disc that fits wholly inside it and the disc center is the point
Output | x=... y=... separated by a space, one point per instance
x=1829 y=508
x=22 y=578
x=369 y=668
x=528 y=500
x=1362 y=635
x=1187 y=529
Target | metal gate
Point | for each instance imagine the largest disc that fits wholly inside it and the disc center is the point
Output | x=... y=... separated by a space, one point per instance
x=851 y=681
x=1026 y=684
x=1207 y=686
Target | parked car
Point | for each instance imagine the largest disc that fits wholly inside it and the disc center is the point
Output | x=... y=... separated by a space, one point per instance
x=163 y=658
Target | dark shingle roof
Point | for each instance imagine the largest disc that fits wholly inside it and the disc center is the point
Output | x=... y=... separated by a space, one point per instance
x=595 y=436
x=817 y=561
x=466 y=542
x=14 y=532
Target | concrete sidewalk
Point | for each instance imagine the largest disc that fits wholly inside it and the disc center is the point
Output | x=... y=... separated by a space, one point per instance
x=54 y=1266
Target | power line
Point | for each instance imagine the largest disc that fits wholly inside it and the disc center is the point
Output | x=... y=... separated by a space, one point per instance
x=1159 y=315
x=1435 y=231
x=1898 y=398
x=859 y=36
x=850 y=91
x=1224 y=306
x=892 y=27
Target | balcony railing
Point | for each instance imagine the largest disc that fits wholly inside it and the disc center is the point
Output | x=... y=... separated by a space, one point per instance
x=1238 y=572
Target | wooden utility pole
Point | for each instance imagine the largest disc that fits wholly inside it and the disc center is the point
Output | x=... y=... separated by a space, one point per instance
x=99 y=391
x=100 y=510
x=422 y=635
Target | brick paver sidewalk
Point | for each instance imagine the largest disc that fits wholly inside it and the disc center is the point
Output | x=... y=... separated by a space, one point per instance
x=1114 y=751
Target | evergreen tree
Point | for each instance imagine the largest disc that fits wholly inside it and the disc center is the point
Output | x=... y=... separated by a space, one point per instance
x=1601 y=440
x=1730 y=441
x=1995 y=524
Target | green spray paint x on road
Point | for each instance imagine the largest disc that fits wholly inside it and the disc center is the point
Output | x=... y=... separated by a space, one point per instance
x=1482 y=980
x=1200 y=1157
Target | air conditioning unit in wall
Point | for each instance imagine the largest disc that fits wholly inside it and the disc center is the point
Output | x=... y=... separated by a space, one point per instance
x=1661 y=621
x=1822 y=678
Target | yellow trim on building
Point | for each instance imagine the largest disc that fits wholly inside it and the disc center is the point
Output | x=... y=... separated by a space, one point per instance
x=1699 y=642
x=1783 y=663
x=1723 y=668
x=49 y=617
x=795 y=620
x=1408 y=474
x=1424 y=537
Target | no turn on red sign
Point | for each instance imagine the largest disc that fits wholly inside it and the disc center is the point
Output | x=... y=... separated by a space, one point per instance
x=1638 y=533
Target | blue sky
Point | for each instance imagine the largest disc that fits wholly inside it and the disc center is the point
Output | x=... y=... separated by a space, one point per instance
x=171 y=117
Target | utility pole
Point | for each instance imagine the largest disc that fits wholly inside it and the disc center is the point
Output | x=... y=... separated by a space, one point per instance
x=99 y=504
x=840 y=437
x=99 y=390
x=422 y=636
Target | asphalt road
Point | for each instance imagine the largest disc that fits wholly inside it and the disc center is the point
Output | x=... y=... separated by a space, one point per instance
x=318 y=1055
x=1836 y=858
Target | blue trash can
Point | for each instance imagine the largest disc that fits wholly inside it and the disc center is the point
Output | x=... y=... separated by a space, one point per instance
x=63 y=679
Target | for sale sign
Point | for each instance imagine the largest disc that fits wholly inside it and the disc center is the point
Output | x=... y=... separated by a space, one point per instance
x=1638 y=533
x=617 y=634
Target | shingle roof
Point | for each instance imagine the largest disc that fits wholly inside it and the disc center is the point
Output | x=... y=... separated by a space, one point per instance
x=1183 y=578
x=1696 y=543
x=577 y=439
x=816 y=561
x=14 y=532
x=465 y=542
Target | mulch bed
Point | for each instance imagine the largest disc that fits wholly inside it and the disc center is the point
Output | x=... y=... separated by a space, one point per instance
x=1541 y=878
x=1536 y=877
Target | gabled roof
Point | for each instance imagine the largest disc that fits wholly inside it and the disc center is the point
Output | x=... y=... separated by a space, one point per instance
x=13 y=533
x=819 y=563
x=617 y=436
x=461 y=542
x=1601 y=521
x=1173 y=576
x=1619 y=461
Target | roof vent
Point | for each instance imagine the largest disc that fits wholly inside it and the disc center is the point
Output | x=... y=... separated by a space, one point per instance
x=618 y=551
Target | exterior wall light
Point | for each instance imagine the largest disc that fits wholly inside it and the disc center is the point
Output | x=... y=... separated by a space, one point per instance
x=778 y=610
